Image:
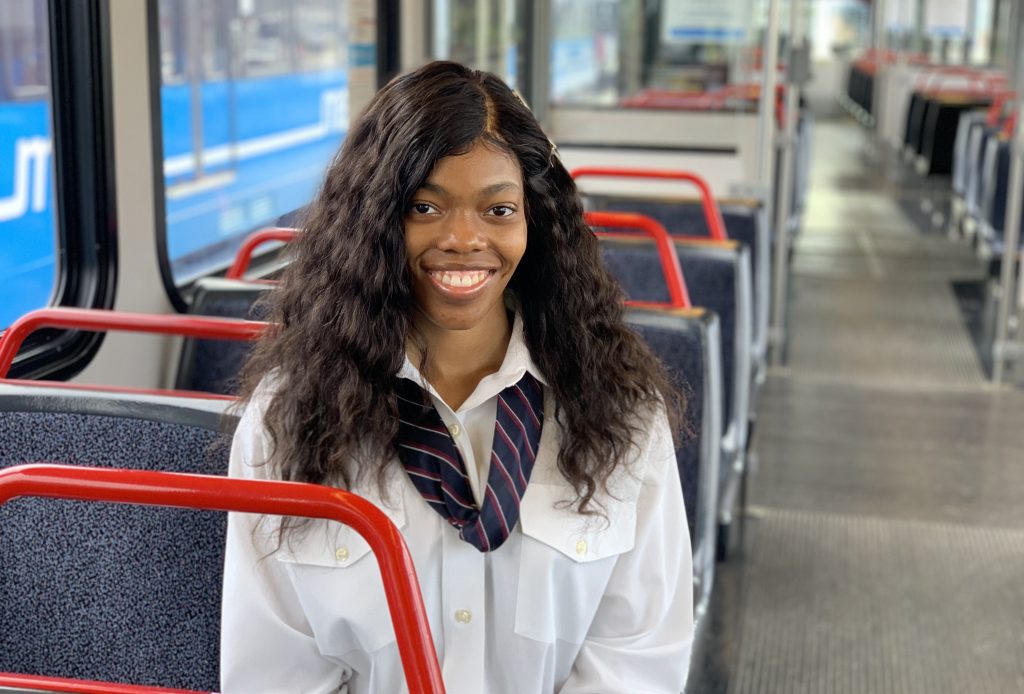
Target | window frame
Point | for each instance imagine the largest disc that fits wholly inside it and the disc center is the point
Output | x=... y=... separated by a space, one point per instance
x=83 y=183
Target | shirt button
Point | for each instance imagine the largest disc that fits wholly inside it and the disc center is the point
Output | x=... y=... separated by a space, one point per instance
x=463 y=616
x=341 y=554
x=454 y=429
x=581 y=547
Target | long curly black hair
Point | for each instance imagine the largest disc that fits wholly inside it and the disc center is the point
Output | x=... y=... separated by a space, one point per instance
x=343 y=310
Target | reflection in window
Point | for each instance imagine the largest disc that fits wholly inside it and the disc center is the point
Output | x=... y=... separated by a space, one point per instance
x=254 y=104
x=28 y=239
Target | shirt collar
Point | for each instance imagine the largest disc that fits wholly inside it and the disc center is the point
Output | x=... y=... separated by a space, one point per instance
x=517 y=362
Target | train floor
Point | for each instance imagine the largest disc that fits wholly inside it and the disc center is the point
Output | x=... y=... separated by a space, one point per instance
x=882 y=547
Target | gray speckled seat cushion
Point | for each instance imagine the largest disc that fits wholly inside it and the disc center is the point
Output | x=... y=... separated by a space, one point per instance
x=109 y=591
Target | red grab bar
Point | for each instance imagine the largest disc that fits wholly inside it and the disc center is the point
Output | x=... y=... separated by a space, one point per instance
x=712 y=214
x=207 y=492
x=251 y=243
x=679 y=297
x=100 y=320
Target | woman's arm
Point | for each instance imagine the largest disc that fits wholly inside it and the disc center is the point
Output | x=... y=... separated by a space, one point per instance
x=266 y=643
x=642 y=634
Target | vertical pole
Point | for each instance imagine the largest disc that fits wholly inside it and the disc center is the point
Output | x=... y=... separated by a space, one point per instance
x=880 y=44
x=535 y=57
x=194 y=74
x=483 y=35
x=766 y=112
x=792 y=116
x=1011 y=229
x=970 y=36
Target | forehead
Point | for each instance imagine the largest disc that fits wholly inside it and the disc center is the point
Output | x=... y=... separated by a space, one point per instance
x=481 y=165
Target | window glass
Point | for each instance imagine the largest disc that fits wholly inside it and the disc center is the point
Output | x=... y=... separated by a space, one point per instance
x=253 y=110
x=28 y=237
x=584 y=51
x=483 y=34
x=652 y=53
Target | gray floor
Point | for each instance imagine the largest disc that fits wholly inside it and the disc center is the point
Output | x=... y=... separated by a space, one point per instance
x=884 y=540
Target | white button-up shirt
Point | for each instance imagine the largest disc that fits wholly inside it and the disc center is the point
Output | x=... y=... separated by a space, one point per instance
x=568 y=604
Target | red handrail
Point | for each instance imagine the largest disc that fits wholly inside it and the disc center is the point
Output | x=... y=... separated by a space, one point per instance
x=679 y=297
x=207 y=492
x=251 y=243
x=712 y=213
x=100 y=320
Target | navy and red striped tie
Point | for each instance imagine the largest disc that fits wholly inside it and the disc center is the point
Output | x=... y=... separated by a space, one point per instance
x=435 y=466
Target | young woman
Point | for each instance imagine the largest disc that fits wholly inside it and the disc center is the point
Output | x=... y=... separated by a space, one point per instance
x=451 y=347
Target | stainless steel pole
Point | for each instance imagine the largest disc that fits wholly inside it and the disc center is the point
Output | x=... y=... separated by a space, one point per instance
x=1011 y=229
x=786 y=185
x=766 y=170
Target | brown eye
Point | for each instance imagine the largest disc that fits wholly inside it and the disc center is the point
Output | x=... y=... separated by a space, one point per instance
x=423 y=208
x=502 y=211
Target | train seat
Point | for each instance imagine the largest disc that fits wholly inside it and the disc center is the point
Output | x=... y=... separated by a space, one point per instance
x=109 y=591
x=942 y=119
x=212 y=365
x=971 y=123
x=914 y=124
x=687 y=342
x=744 y=222
x=718 y=278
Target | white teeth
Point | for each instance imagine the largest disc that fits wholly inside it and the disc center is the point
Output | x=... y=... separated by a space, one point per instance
x=460 y=279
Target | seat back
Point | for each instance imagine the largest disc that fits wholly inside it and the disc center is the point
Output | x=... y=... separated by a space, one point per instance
x=915 y=122
x=107 y=591
x=687 y=343
x=941 y=132
x=970 y=122
x=718 y=277
x=211 y=366
x=744 y=221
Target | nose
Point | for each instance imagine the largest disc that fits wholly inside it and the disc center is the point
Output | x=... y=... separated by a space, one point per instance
x=463 y=233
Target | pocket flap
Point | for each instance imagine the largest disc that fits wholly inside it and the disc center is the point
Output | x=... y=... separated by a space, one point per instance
x=547 y=515
x=331 y=544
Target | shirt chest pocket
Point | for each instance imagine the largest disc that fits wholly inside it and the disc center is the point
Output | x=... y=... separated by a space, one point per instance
x=566 y=562
x=338 y=583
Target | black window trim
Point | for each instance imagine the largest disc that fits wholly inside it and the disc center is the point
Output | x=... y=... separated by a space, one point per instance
x=84 y=186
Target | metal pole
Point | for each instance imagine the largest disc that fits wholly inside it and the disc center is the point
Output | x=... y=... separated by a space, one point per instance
x=880 y=44
x=766 y=159
x=1011 y=229
x=792 y=113
x=970 y=36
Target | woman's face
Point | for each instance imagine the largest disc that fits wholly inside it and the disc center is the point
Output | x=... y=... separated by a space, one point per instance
x=465 y=232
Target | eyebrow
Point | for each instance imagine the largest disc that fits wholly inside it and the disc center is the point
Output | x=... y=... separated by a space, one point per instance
x=492 y=189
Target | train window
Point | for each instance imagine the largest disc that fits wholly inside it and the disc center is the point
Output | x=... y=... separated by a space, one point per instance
x=612 y=52
x=28 y=236
x=584 y=51
x=57 y=216
x=251 y=113
x=483 y=35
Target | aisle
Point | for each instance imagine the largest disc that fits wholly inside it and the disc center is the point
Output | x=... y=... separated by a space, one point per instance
x=884 y=547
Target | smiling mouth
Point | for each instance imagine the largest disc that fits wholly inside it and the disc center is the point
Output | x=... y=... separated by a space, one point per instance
x=460 y=281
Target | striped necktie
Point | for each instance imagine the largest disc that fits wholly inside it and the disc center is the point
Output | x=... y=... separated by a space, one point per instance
x=435 y=466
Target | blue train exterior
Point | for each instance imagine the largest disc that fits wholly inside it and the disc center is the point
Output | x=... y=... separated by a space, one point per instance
x=265 y=145
x=28 y=239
